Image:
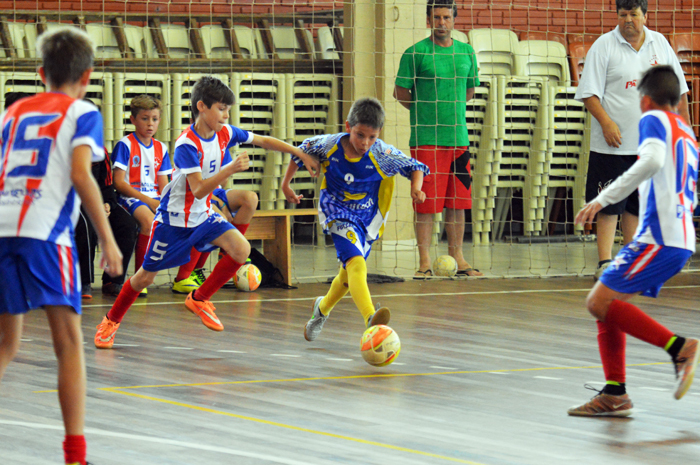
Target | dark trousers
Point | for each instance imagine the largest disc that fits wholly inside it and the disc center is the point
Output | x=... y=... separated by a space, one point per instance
x=124 y=227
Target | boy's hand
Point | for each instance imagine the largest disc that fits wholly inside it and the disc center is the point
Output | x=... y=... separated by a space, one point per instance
x=417 y=195
x=242 y=162
x=312 y=165
x=111 y=260
x=291 y=196
x=108 y=209
x=588 y=212
x=153 y=204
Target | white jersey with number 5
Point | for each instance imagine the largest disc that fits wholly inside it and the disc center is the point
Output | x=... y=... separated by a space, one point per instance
x=39 y=133
x=668 y=198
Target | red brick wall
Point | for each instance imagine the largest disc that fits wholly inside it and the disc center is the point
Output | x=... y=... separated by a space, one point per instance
x=569 y=16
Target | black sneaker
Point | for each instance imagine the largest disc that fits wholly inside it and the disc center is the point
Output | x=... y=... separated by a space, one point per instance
x=86 y=292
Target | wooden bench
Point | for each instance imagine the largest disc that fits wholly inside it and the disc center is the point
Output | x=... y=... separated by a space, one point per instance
x=274 y=228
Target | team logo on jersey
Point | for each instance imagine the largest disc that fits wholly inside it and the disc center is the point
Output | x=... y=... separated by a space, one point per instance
x=632 y=83
x=136 y=161
x=349 y=178
x=653 y=61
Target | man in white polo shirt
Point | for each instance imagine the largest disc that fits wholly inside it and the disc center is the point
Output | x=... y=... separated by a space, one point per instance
x=614 y=64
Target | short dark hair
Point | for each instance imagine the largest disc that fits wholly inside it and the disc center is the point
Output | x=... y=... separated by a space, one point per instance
x=441 y=4
x=631 y=5
x=66 y=53
x=210 y=90
x=661 y=84
x=367 y=111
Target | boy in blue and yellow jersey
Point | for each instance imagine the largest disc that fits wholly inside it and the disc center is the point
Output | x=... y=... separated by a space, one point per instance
x=354 y=204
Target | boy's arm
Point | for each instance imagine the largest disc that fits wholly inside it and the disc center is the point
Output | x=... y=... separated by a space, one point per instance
x=125 y=189
x=270 y=143
x=86 y=187
x=289 y=193
x=651 y=160
x=203 y=187
x=162 y=182
x=417 y=194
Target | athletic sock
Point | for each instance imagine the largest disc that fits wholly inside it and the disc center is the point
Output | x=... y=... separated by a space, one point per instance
x=140 y=252
x=614 y=388
x=222 y=273
x=635 y=322
x=241 y=227
x=127 y=296
x=339 y=288
x=611 y=344
x=356 y=268
x=74 y=449
x=202 y=260
x=674 y=345
x=185 y=270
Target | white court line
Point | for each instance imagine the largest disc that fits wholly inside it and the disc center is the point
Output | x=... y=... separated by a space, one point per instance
x=285 y=355
x=432 y=294
x=169 y=442
x=341 y=359
x=117 y=344
x=497 y=373
x=547 y=377
x=232 y=351
x=26 y=340
x=398 y=363
x=178 y=348
x=655 y=389
x=443 y=368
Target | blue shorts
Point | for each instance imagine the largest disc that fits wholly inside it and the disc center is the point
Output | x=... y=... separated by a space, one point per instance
x=170 y=246
x=644 y=268
x=221 y=198
x=131 y=204
x=350 y=240
x=38 y=273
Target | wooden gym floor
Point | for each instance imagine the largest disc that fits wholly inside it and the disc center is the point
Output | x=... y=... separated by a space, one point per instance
x=486 y=373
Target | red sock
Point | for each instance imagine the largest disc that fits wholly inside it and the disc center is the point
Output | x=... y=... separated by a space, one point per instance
x=140 y=253
x=202 y=260
x=75 y=449
x=186 y=270
x=127 y=296
x=222 y=273
x=635 y=322
x=611 y=344
x=242 y=227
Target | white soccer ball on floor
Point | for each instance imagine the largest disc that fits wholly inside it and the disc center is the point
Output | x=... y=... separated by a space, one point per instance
x=445 y=265
x=247 y=278
x=380 y=345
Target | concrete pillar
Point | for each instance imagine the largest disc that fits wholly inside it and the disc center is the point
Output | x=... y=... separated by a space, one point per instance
x=377 y=33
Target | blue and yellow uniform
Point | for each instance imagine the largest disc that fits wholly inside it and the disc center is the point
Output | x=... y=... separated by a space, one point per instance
x=356 y=193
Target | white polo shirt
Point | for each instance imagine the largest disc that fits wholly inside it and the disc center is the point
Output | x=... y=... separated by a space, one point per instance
x=611 y=72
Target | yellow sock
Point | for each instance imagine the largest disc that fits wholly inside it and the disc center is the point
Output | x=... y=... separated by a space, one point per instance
x=357 y=282
x=338 y=289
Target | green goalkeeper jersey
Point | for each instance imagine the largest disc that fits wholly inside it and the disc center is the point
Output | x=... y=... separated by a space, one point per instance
x=439 y=78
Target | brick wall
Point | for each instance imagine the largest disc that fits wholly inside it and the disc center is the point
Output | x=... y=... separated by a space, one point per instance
x=568 y=16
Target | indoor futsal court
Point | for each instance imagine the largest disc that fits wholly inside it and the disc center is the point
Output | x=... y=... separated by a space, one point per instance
x=487 y=370
x=488 y=366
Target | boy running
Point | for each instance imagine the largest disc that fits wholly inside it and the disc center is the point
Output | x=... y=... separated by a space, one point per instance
x=185 y=218
x=49 y=142
x=354 y=203
x=666 y=174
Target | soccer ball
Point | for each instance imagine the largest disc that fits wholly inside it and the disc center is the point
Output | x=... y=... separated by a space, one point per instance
x=380 y=345
x=247 y=278
x=445 y=265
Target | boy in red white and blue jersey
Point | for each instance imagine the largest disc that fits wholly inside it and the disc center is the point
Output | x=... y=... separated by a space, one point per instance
x=666 y=174
x=185 y=218
x=49 y=142
x=141 y=169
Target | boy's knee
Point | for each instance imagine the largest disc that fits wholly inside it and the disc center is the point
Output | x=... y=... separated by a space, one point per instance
x=251 y=199
x=597 y=307
x=241 y=250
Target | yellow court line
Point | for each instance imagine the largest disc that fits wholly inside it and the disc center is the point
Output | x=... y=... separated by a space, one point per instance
x=387 y=375
x=294 y=428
